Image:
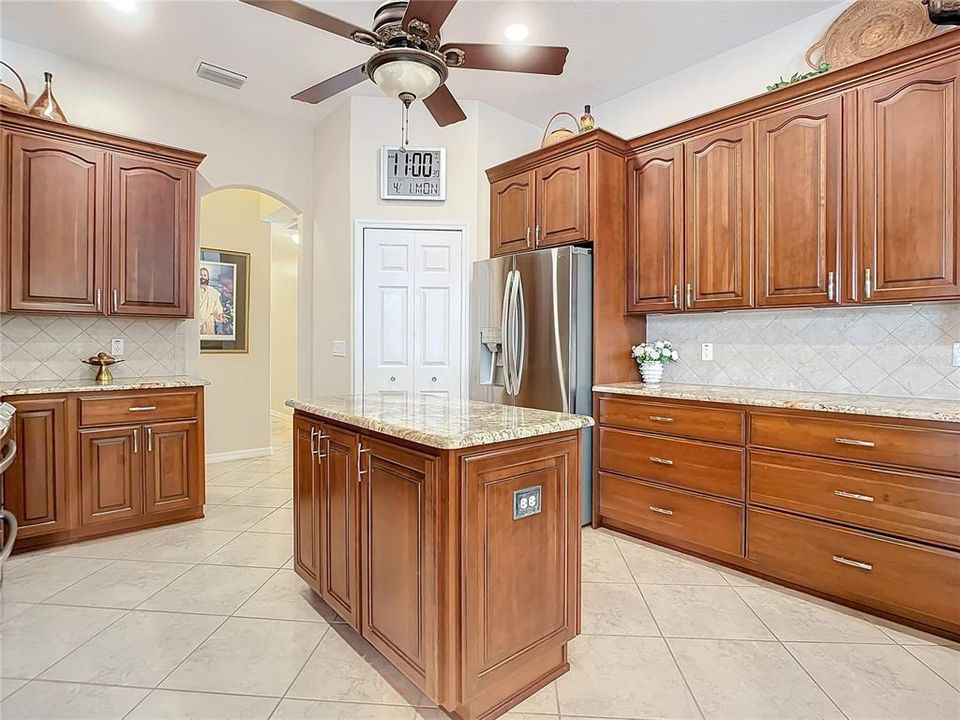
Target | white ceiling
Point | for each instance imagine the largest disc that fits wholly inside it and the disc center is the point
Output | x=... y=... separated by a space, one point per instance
x=615 y=46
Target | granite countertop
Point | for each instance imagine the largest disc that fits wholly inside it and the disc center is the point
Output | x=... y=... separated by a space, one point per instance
x=38 y=387
x=447 y=425
x=897 y=407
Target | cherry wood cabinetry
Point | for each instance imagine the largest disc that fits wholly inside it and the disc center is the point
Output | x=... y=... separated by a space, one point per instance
x=418 y=549
x=563 y=201
x=512 y=214
x=95 y=223
x=909 y=199
x=799 y=200
x=35 y=487
x=99 y=463
x=864 y=510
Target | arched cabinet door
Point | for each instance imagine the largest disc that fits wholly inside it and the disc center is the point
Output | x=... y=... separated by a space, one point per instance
x=563 y=201
x=909 y=199
x=512 y=214
x=54 y=213
x=151 y=224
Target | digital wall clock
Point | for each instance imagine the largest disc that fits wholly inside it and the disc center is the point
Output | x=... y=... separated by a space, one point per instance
x=414 y=174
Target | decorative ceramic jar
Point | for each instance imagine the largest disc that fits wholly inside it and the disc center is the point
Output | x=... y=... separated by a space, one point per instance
x=651 y=371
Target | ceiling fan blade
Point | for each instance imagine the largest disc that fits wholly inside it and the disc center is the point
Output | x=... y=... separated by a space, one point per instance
x=444 y=107
x=331 y=86
x=432 y=12
x=308 y=16
x=539 y=59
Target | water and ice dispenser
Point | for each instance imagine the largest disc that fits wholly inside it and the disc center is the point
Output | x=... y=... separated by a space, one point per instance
x=491 y=356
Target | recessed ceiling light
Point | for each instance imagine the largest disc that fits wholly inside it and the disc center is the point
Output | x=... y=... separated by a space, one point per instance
x=516 y=32
x=125 y=6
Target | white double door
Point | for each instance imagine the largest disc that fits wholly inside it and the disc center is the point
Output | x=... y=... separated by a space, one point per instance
x=412 y=313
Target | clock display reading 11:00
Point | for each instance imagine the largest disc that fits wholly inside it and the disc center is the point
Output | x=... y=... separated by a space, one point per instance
x=417 y=174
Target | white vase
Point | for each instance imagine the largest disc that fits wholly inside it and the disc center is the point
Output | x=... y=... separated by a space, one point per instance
x=651 y=371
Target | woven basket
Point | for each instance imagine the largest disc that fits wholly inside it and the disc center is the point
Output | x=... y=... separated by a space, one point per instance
x=869 y=28
x=560 y=134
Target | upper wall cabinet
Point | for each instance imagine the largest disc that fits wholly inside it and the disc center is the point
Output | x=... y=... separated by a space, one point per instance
x=719 y=218
x=799 y=221
x=512 y=212
x=909 y=202
x=94 y=223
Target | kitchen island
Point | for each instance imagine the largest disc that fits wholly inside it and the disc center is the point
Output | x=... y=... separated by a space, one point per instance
x=447 y=534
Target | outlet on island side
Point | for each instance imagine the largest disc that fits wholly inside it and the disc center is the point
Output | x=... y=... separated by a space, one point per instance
x=706 y=352
x=116 y=347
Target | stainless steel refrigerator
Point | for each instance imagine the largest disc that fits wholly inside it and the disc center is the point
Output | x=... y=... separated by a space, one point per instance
x=531 y=320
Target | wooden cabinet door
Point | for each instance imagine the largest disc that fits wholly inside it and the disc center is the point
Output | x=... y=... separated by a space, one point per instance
x=799 y=205
x=172 y=466
x=151 y=223
x=111 y=474
x=655 y=230
x=339 y=524
x=397 y=493
x=306 y=501
x=512 y=211
x=521 y=577
x=719 y=219
x=909 y=200
x=35 y=486
x=562 y=190
x=54 y=215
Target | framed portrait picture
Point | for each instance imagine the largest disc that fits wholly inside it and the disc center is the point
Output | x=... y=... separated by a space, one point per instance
x=223 y=300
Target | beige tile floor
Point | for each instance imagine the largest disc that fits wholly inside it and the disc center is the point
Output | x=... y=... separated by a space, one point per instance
x=207 y=620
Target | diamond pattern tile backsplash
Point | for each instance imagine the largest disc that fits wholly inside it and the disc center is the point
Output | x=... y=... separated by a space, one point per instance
x=35 y=347
x=902 y=350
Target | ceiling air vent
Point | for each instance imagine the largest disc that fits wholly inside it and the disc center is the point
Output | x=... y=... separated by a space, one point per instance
x=220 y=75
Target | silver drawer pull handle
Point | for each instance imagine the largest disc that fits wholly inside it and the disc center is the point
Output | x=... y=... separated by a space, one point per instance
x=360 y=452
x=142 y=408
x=853 y=496
x=852 y=563
x=662 y=511
x=661 y=461
x=855 y=443
x=661 y=418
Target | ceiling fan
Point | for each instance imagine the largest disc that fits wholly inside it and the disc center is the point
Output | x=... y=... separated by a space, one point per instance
x=410 y=63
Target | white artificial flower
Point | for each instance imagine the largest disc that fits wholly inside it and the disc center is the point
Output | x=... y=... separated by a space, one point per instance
x=675 y=355
x=659 y=343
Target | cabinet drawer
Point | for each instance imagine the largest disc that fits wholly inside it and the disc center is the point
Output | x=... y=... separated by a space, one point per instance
x=855 y=440
x=702 y=423
x=137 y=408
x=924 y=507
x=684 y=463
x=893 y=575
x=673 y=514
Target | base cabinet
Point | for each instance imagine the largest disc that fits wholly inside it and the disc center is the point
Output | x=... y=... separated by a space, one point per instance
x=171 y=476
x=111 y=475
x=419 y=550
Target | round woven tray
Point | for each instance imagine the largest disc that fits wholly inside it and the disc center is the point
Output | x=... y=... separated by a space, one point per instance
x=869 y=28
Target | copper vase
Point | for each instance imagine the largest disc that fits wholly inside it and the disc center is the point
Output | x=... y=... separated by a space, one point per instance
x=46 y=105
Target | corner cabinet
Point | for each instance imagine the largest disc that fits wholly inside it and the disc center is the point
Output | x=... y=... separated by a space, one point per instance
x=95 y=224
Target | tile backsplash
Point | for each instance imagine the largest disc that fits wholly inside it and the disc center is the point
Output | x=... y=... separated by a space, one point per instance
x=902 y=350
x=35 y=347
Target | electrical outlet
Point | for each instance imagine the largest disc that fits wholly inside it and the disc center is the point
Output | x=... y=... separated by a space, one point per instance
x=116 y=347
x=956 y=354
x=706 y=352
x=339 y=348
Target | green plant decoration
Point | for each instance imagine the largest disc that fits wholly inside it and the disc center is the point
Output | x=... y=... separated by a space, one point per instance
x=797 y=77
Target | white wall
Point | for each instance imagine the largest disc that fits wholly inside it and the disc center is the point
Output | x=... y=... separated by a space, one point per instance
x=732 y=76
x=283 y=318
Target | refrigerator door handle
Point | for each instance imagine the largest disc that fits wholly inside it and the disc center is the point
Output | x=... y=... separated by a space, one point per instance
x=505 y=333
x=520 y=325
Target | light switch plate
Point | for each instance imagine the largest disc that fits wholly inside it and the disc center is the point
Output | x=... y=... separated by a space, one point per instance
x=116 y=347
x=526 y=502
x=956 y=354
x=706 y=352
x=339 y=348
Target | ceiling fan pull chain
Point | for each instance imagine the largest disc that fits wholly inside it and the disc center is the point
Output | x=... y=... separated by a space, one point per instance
x=405 y=99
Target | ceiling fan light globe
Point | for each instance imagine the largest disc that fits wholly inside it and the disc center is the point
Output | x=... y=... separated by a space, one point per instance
x=399 y=77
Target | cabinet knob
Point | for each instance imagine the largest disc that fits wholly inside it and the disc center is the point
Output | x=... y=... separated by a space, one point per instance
x=393 y=379
x=433 y=379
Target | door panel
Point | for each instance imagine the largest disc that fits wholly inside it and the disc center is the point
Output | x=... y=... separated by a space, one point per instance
x=909 y=199
x=397 y=488
x=339 y=524
x=655 y=231
x=151 y=222
x=172 y=480
x=306 y=502
x=438 y=279
x=799 y=219
x=719 y=212
x=111 y=478
x=562 y=201
x=512 y=211
x=35 y=485
x=56 y=203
